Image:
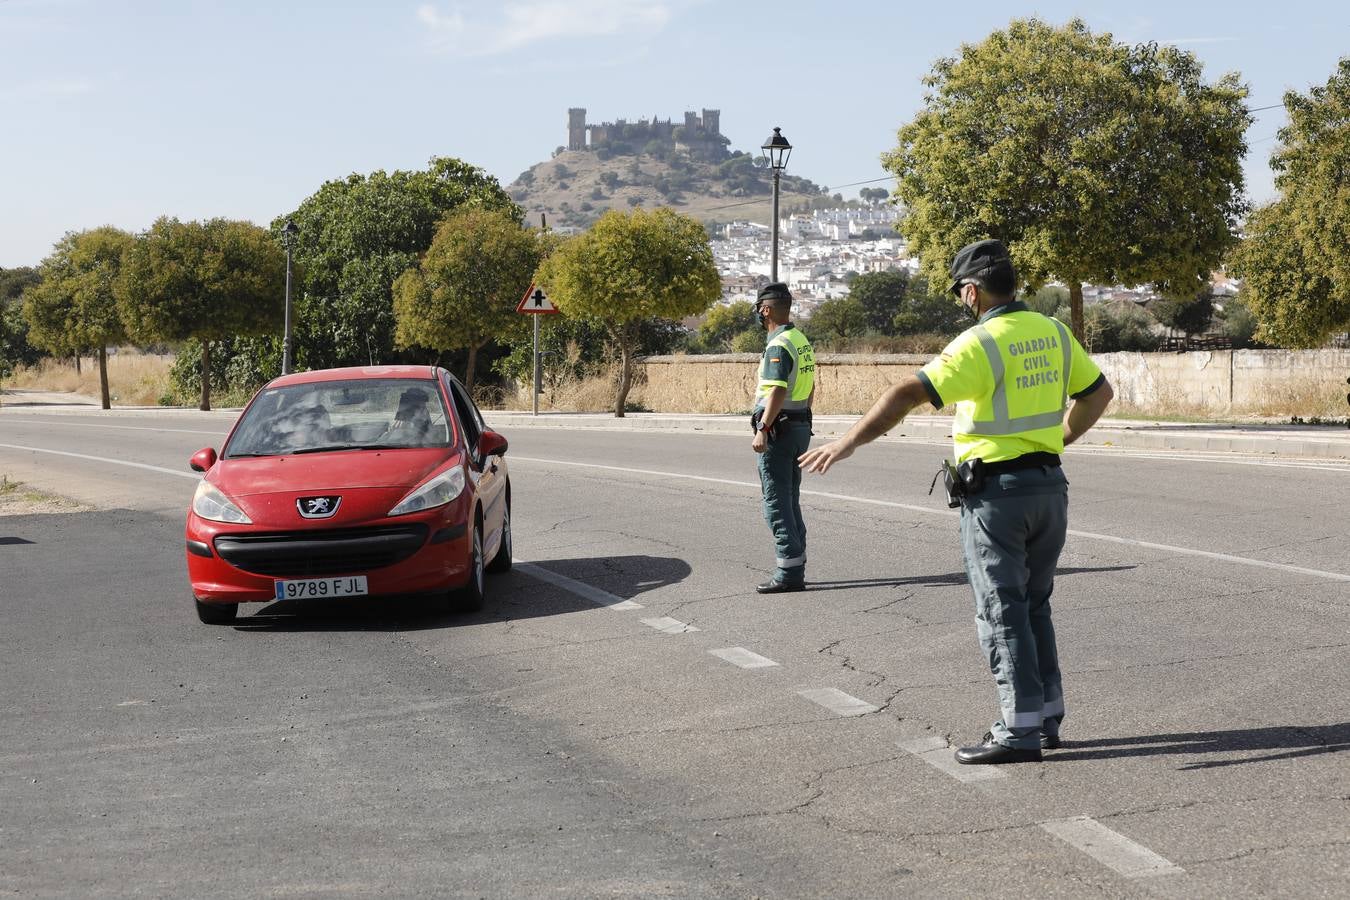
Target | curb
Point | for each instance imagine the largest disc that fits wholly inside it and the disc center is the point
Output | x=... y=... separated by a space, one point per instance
x=1287 y=442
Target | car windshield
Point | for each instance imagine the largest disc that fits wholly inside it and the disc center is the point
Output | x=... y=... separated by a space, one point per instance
x=337 y=416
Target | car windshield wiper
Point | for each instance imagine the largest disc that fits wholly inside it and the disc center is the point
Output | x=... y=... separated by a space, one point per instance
x=336 y=447
x=247 y=455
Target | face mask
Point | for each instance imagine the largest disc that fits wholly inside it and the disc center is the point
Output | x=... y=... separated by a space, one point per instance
x=972 y=309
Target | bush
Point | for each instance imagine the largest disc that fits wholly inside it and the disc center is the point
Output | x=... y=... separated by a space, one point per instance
x=1112 y=328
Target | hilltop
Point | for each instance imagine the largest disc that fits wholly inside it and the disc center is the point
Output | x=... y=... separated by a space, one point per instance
x=657 y=163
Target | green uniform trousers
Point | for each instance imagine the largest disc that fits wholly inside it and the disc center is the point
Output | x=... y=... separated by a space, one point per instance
x=1012 y=533
x=781 y=480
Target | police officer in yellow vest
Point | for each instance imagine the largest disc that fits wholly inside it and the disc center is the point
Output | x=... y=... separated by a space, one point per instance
x=1012 y=376
x=782 y=425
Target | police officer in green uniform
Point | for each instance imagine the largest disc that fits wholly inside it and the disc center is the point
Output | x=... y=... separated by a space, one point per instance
x=782 y=425
x=1012 y=376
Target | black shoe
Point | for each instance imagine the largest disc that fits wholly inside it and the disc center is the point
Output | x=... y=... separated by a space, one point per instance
x=779 y=587
x=1050 y=742
x=993 y=753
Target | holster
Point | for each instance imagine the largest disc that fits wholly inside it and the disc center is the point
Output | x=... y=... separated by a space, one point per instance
x=960 y=481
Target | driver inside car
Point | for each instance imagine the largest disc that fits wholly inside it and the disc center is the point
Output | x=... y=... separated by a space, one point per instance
x=412 y=421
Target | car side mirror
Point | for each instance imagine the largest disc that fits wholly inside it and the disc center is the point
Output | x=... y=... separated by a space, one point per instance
x=203 y=459
x=490 y=443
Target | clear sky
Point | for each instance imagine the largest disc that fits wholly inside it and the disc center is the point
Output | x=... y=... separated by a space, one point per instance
x=118 y=111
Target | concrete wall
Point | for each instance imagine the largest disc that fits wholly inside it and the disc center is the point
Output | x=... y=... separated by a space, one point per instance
x=1200 y=383
x=1265 y=382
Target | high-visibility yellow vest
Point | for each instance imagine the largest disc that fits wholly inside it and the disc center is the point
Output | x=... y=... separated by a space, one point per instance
x=1011 y=377
x=799 y=377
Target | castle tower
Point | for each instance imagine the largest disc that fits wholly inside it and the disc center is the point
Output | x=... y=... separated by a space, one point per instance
x=691 y=121
x=576 y=128
x=712 y=121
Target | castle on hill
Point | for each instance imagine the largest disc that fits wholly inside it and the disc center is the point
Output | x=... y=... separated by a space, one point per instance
x=700 y=135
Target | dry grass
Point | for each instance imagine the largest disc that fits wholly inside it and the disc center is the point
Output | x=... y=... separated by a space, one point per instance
x=17 y=499
x=1304 y=398
x=134 y=378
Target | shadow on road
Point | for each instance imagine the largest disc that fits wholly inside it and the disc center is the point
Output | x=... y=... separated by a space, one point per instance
x=949 y=579
x=1291 y=740
x=513 y=595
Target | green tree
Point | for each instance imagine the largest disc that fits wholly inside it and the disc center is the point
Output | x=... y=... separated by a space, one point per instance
x=1189 y=315
x=838 y=321
x=928 y=312
x=205 y=280
x=464 y=292
x=1093 y=160
x=1296 y=277
x=15 y=349
x=723 y=323
x=882 y=295
x=355 y=237
x=631 y=267
x=74 y=307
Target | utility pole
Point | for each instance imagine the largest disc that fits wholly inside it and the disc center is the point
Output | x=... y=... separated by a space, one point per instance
x=537 y=382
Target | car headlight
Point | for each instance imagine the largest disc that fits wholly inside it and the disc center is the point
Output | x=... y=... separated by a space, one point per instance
x=210 y=503
x=437 y=492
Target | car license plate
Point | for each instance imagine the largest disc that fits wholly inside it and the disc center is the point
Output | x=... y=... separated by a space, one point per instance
x=346 y=586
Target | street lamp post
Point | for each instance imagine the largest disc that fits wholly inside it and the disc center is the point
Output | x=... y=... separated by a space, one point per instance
x=776 y=150
x=288 y=232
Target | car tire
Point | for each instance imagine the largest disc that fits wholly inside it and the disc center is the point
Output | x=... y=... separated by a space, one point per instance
x=502 y=561
x=471 y=597
x=216 y=613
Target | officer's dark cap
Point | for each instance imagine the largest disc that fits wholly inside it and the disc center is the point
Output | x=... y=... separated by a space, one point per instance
x=981 y=260
x=776 y=291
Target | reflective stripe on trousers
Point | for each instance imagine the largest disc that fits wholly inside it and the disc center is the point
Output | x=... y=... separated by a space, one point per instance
x=780 y=480
x=1012 y=533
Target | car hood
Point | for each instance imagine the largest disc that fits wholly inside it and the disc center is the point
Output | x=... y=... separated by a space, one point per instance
x=324 y=472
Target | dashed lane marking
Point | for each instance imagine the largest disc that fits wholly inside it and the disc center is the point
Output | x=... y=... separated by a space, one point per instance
x=934 y=751
x=667 y=625
x=837 y=702
x=739 y=656
x=1166 y=548
x=1110 y=848
x=580 y=588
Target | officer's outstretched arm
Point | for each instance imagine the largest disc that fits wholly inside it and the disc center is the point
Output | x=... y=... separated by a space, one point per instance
x=884 y=415
x=1086 y=410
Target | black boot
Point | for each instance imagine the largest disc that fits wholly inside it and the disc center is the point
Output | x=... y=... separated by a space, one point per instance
x=993 y=753
x=779 y=587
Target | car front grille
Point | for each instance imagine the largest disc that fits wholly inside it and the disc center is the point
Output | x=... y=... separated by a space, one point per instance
x=317 y=554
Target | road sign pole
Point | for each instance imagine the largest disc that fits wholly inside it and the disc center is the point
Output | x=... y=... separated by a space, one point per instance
x=534 y=382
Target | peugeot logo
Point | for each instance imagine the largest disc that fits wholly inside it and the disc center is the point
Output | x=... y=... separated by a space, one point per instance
x=317 y=507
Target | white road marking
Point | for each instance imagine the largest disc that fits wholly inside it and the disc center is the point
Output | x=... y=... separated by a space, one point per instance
x=53 y=420
x=103 y=459
x=739 y=656
x=934 y=751
x=580 y=588
x=667 y=625
x=837 y=702
x=1110 y=848
x=1167 y=548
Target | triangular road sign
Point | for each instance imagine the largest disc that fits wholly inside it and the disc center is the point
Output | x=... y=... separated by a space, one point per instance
x=535 y=302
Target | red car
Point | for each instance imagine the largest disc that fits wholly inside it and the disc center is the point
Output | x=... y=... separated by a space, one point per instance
x=350 y=483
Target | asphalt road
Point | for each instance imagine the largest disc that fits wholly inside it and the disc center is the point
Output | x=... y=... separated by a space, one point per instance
x=611 y=724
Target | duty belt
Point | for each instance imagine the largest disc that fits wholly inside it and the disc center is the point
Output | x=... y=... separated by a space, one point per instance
x=1025 y=461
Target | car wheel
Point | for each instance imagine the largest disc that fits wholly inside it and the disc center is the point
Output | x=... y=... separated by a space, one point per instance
x=216 y=613
x=502 y=561
x=470 y=597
